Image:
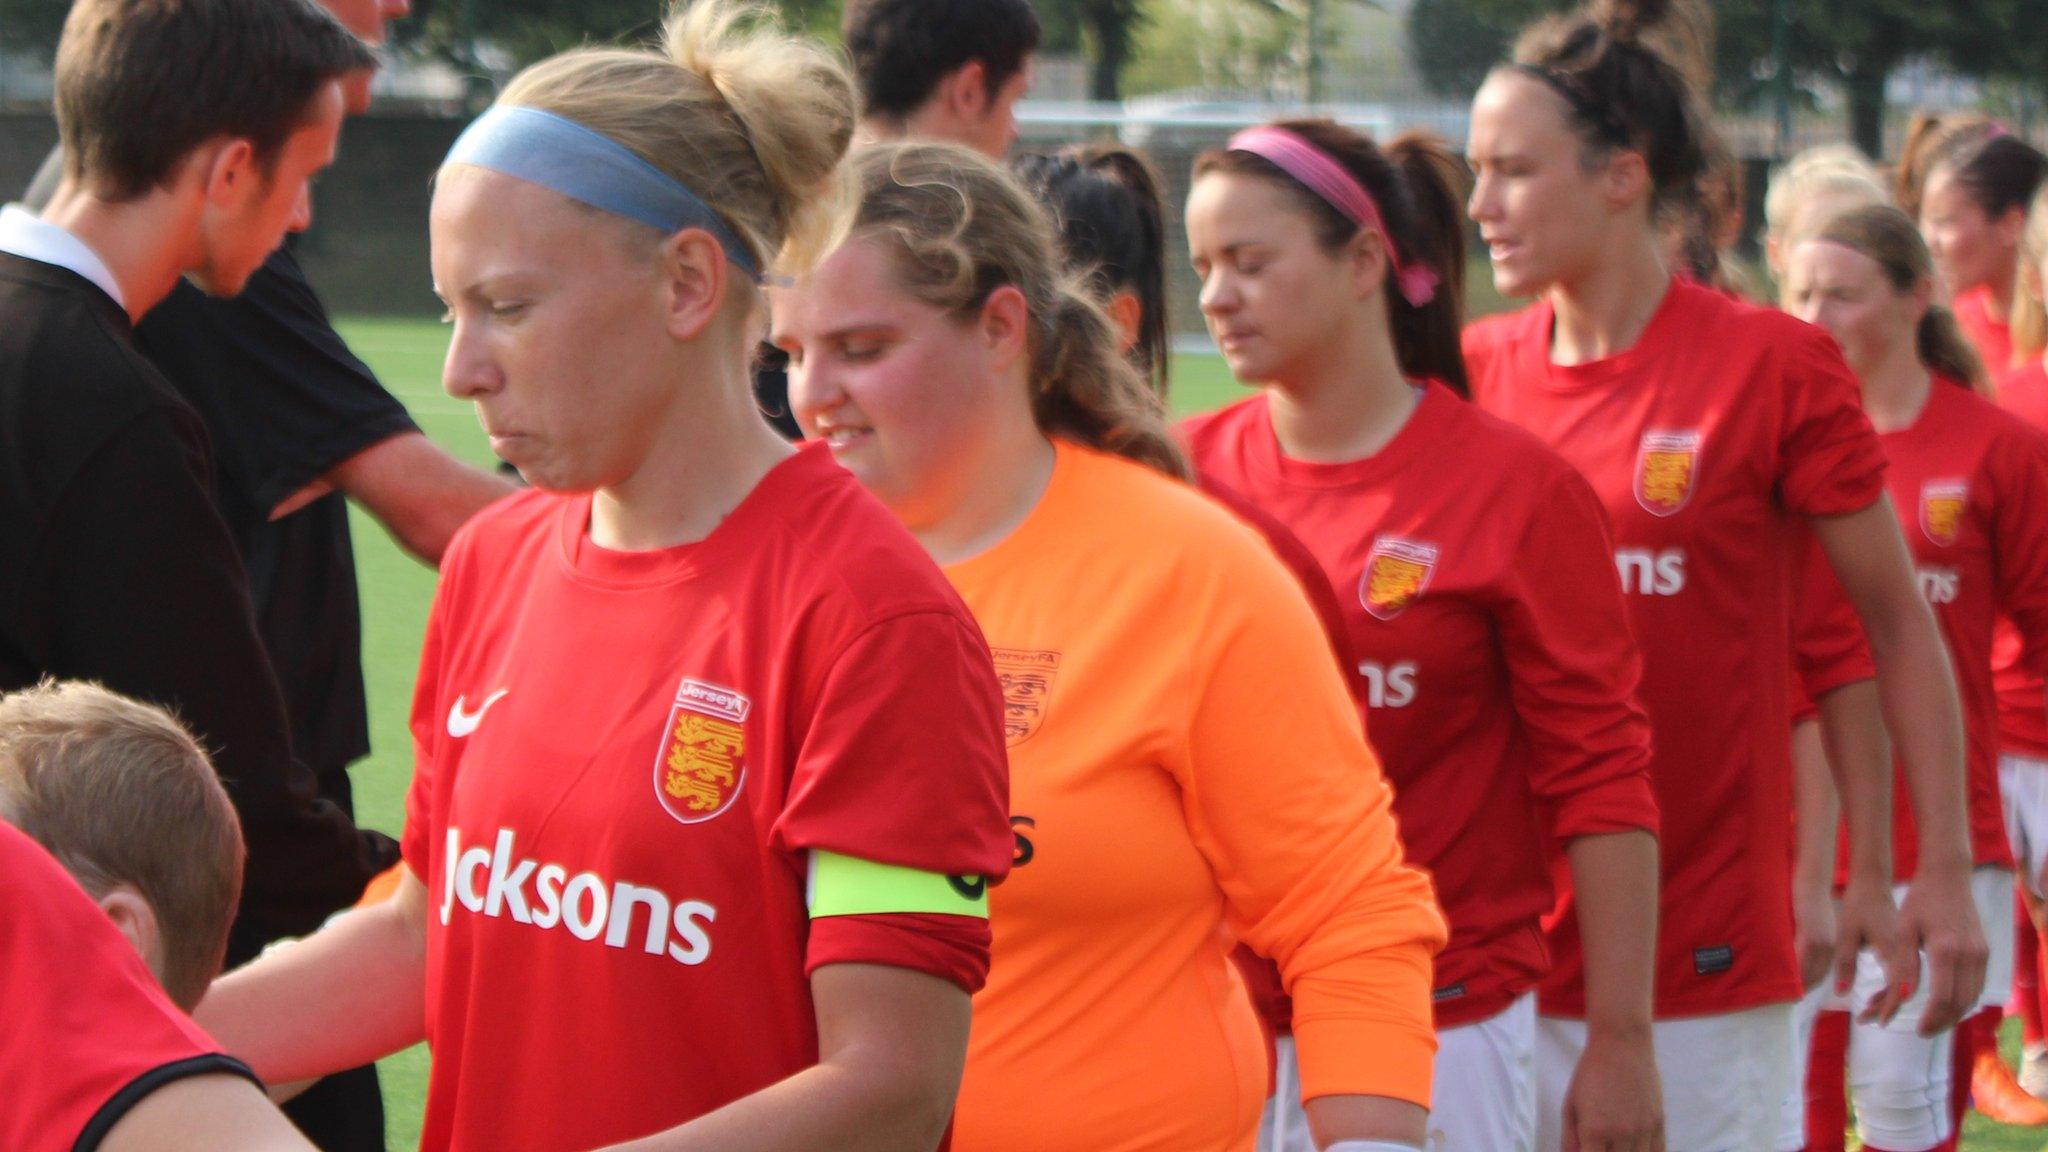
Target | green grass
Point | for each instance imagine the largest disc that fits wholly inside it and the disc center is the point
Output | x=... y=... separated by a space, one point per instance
x=397 y=592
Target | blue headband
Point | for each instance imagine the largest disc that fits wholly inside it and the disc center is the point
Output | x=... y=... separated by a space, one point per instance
x=565 y=157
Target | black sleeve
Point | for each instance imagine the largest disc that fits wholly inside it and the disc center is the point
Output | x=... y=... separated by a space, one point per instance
x=283 y=398
x=149 y=598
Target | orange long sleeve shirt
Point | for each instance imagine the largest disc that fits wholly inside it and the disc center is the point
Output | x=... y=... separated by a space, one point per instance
x=1186 y=770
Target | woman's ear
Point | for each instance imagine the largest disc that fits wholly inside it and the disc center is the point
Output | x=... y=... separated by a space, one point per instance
x=697 y=273
x=1127 y=312
x=1005 y=325
x=1369 y=264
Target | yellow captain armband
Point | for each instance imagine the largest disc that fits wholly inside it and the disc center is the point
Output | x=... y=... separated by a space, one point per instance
x=849 y=886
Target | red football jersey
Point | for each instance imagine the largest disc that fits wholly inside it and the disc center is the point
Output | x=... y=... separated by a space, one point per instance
x=2022 y=709
x=88 y=1033
x=1988 y=329
x=625 y=761
x=1707 y=442
x=1492 y=655
x=1970 y=483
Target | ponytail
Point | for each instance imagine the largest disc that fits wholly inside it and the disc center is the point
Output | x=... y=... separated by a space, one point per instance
x=2029 y=295
x=1427 y=337
x=1945 y=351
x=1083 y=388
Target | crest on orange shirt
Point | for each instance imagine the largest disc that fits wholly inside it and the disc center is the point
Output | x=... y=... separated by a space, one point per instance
x=1396 y=573
x=703 y=760
x=1667 y=464
x=1941 y=509
x=1027 y=678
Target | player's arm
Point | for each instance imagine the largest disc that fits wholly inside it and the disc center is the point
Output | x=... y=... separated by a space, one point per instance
x=1573 y=673
x=891 y=1046
x=216 y=1113
x=1918 y=692
x=1858 y=758
x=1816 y=813
x=351 y=993
x=417 y=491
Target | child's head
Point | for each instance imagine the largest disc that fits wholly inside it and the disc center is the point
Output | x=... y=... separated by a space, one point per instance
x=127 y=801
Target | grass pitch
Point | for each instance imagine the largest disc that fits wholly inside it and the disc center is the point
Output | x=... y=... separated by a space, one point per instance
x=396 y=593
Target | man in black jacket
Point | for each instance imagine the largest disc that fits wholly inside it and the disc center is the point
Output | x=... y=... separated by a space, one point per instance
x=191 y=129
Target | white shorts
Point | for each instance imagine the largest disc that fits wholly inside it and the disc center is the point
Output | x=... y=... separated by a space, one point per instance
x=1283 y=1126
x=2023 y=787
x=1485 y=1084
x=1724 y=1078
x=1991 y=889
x=1898 y=1079
x=1485 y=1089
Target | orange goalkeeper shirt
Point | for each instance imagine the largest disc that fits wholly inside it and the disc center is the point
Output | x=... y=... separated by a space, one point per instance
x=1185 y=770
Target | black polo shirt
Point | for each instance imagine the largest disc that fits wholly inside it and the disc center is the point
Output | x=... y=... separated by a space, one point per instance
x=285 y=402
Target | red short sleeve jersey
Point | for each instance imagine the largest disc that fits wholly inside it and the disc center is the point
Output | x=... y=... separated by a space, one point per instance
x=624 y=761
x=2022 y=710
x=1493 y=657
x=1706 y=442
x=1970 y=483
x=1986 y=327
x=88 y=1033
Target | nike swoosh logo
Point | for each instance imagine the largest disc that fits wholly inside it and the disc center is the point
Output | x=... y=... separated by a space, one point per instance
x=969 y=887
x=461 y=724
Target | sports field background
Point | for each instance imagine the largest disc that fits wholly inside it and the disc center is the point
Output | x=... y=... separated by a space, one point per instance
x=397 y=592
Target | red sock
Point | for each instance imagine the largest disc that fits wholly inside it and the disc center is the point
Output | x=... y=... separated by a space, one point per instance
x=1827 y=1074
x=1973 y=1035
x=2038 y=1003
x=2026 y=973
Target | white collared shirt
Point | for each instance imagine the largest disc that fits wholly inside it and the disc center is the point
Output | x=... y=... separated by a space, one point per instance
x=24 y=234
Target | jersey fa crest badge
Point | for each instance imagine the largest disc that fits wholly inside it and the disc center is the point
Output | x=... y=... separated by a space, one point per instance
x=1667 y=464
x=703 y=760
x=1027 y=679
x=1941 y=509
x=1396 y=573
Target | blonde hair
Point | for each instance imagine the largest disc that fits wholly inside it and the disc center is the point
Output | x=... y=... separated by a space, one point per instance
x=961 y=228
x=120 y=793
x=2029 y=295
x=1891 y=239
x=750 y=119
x=1827 y=170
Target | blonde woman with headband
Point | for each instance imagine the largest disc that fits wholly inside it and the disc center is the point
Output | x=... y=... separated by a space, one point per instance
x=710 y=783
x=1187 y=767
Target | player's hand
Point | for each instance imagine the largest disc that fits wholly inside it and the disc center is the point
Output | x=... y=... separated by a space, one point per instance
x=1615 y=1103
x=1813 y=933
x=1867 y=918
x=1939 y=919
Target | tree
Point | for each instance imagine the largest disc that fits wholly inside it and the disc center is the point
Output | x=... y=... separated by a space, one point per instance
x=1105 y=31
x=528 y=30
x=1454 y=47
x=1855 y=46
x=31 y=24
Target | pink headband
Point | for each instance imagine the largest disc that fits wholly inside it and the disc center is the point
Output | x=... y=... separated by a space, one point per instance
x=1341 y=190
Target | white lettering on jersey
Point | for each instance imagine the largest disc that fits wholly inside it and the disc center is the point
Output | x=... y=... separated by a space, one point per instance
x=1388 y=685
x=1647 y=573
x=585 y=903
x=461 y=723
x=1939 y=585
